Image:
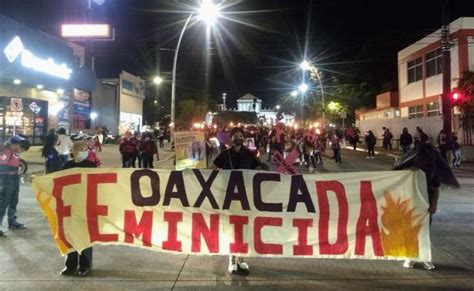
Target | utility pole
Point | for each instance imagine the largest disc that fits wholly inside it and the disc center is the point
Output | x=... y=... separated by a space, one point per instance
x=446 y=46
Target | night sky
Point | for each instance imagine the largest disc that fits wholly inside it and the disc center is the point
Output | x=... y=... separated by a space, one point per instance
x=353 y=40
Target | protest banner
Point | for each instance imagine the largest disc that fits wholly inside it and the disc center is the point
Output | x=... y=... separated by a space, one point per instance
x=369 y=215
x=190 y=150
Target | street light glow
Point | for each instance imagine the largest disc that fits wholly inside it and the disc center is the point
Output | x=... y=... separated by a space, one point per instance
x=93 y=115
x=208 y=12
x=294 y=93
x=157 y=80
x=303 y=88
x=278 y=107
x=305 y=65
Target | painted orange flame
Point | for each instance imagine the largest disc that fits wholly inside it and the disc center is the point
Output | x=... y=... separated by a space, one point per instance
x=49 y=213
x=400 y=232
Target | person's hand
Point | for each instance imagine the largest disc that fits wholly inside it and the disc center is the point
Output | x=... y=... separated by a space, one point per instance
x=432 y=209
x=264 y=166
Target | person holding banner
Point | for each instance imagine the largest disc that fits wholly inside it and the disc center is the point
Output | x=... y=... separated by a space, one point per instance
x=235 y=158
x=425 y=157
x=74 y=259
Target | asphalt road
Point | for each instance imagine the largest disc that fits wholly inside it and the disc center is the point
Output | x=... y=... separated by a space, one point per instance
x=30 y=260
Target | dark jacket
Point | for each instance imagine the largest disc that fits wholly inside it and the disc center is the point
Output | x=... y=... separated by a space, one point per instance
x=406 y=139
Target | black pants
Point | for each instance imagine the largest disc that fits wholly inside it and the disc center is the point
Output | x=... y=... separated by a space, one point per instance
x=137 y=157
x=128 y=161
x=307 y=158
x=318 y=158
x=337 y=155
x=83 y=260
x=147 y=161
x=370 y=149
x=9 y=191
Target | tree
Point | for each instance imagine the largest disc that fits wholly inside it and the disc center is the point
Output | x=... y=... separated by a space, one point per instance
x=349 y=97
x=191 y=111
x=466 y=88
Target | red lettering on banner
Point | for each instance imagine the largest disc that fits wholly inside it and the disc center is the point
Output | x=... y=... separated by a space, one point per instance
x=62 y=210
x=239 y=246
x=173 y=218
x=302 y=248
x=94 y=210
x=133 y=229
x=260 y=246
x=341 y=245
x=367 y=223
x=210 y=234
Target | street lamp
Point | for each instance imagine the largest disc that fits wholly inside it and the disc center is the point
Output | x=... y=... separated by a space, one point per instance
x=305 y=66
x=277 y=107
x=294 y=93
x=303 y=88
x=224 y=95
x=208 y=12
x=157 y=80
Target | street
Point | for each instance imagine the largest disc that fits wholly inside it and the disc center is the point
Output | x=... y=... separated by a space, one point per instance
x=31 y=260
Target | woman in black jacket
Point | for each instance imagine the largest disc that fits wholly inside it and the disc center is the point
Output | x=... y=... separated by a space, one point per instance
x=50 y=154
x=370 y=141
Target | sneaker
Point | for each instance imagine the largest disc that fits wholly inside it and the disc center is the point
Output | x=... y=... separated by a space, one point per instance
x=372 y=158
x=243 y=266
x=367 y=157
x=428 y=265
x=409 y=264
x=232 y=265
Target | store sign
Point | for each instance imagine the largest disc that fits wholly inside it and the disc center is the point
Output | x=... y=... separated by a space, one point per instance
x=28 y=60
x=132 y=85
x=35 y=107
x=16 y=104
x=86 y=30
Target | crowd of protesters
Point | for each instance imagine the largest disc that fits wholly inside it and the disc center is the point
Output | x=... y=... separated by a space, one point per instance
x=236 y=148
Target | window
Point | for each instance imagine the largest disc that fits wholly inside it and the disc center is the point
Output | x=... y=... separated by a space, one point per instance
x=433 y=109
x=414 y=69
x=434 y=62
x=415 y=112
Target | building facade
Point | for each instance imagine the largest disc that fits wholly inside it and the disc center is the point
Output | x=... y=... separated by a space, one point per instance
x=41 y=86
x=266 y=116
x=119 y=103
x=420 y=75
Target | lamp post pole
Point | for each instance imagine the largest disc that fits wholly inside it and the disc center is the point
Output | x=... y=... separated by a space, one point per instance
x=322 y=94
x=173 y=78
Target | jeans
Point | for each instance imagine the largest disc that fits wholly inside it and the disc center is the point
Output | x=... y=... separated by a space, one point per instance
x=405 y=148
x=63 y=160
x=457 y=158
x=9 y=191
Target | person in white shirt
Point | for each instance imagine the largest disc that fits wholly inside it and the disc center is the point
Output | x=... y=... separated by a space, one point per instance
x=63 y=146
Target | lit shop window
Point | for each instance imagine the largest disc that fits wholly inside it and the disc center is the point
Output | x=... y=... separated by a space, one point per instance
x=414 y=70
x=433 y=109
x=434 y=62
x=415 y=112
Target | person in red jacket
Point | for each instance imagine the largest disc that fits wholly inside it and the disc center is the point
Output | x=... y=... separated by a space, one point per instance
x=148 y=149
x=10 y=182
x=128 y=149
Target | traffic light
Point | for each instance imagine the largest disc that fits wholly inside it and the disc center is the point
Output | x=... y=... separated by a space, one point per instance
x=456 y=97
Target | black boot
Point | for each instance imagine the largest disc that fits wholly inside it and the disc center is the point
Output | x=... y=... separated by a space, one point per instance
x=13 y=224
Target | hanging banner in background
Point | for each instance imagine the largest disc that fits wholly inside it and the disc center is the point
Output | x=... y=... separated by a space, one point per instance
x=369 y=215
x=190 y=149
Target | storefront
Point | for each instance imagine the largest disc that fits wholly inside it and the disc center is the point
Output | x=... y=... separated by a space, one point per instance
x=132 y=94
x=41 y=87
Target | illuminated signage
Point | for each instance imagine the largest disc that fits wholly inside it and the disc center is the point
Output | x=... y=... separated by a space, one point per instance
x=28 y=60
x=86 y=31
